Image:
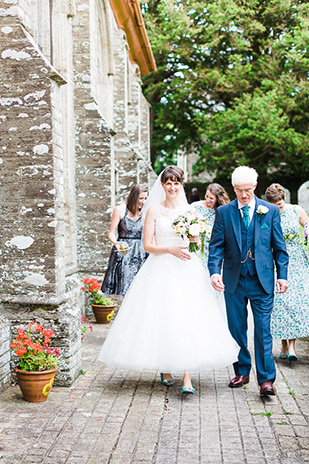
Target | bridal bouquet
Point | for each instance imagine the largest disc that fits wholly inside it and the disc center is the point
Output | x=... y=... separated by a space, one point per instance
x=190 y=225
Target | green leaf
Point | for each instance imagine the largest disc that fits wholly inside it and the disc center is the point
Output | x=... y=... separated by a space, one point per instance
x=231 y=86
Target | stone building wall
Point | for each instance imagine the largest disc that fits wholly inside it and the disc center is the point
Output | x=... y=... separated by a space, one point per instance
x=74 y=136
x=34 y=280
x=93 y=138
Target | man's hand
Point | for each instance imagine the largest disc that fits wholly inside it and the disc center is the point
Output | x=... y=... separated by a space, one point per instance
x=217 y=282
x=281 y=286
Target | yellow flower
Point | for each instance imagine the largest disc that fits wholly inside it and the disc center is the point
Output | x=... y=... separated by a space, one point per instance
x=202 y=226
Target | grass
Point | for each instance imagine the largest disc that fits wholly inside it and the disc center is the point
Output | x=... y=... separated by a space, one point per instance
x=264 y=414
x=291 y=392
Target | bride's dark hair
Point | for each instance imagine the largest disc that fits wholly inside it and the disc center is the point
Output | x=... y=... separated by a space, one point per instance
x=173 y=173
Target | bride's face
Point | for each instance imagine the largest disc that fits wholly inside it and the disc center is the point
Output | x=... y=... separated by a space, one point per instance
x=171 y=189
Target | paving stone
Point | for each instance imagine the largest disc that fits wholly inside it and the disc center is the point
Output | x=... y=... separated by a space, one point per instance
x=112 y=416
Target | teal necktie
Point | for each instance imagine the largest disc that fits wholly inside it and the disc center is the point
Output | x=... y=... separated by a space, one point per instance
x=246 y=216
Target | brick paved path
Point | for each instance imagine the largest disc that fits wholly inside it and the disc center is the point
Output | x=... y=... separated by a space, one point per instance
x=114 y=416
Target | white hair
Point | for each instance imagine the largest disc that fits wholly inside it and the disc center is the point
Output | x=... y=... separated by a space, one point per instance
x=244 y=175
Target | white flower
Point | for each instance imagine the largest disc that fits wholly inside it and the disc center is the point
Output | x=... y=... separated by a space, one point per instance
x=194 y=229
x=208 y=232
x=190 y=217
x=262 y=209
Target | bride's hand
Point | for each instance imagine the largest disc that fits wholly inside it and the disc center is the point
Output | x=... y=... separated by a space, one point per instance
x=180 y=253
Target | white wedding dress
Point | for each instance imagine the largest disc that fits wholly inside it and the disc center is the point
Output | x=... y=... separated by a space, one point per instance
x=170 y=319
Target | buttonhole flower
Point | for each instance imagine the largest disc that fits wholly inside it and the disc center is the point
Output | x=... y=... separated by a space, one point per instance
x=261 y=210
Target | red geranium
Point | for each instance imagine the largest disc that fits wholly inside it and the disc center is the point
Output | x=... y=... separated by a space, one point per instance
x=92 y=288
x=32 y=347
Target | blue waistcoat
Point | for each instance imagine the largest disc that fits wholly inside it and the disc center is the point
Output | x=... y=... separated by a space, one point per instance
x=247 y=239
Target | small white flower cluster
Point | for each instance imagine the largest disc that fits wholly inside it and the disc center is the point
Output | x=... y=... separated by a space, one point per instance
x=189 y=224
x=262 y=209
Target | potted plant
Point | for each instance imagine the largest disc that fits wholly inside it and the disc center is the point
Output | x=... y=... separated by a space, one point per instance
x=37 y=362
x=102 y=306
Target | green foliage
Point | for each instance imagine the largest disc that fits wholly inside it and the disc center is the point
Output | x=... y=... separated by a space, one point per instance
x=98 y=298
x=231 y=84
x=263 y=414
x=38 y=362
x=32 y=348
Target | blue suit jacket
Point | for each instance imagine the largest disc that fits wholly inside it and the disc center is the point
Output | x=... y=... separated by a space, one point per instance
x=269 y=246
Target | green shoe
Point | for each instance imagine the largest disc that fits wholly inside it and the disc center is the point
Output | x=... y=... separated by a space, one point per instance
x=188 y=390
x=167 y=382
x=292 y=357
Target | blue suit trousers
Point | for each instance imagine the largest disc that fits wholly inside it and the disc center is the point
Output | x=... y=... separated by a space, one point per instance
x=249 y=288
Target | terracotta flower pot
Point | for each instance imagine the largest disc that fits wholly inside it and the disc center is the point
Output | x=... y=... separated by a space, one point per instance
x=103 y=314
x=36 y=386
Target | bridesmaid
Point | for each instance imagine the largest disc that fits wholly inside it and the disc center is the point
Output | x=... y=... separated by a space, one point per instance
x=290 y=318
x=215 y=196
x=123 y=266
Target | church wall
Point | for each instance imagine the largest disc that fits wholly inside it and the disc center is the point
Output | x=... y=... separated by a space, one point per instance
x=93 y=139
x=74 y=136
x=35 y=136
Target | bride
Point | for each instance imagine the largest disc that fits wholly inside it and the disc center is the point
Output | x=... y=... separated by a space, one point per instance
x=170 y=319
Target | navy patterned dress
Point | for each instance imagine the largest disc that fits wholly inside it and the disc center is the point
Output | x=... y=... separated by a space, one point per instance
x=290 y=318
x=121 y=269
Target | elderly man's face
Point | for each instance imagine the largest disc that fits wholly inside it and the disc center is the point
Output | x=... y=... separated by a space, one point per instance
x=244 y=193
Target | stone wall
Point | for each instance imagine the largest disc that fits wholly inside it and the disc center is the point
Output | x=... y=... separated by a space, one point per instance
x=74 y=132
x=94 y=153
x=35 y=285
x=5 y=355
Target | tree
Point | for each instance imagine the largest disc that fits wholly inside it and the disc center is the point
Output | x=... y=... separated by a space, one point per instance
x=231 y=85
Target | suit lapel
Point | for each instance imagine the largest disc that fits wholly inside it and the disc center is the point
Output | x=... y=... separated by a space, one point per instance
x=235 y=218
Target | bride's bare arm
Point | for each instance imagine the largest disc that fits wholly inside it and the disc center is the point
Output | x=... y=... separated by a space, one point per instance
x=151 y=247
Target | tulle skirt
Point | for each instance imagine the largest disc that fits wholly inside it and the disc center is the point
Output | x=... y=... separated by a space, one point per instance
x=170 y=320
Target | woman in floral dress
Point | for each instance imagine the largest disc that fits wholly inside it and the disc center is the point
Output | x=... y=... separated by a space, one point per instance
x=215 y=196
x=290 y=319
x=123 y=266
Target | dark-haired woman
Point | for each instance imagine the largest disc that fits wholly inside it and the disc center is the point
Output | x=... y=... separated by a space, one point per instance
x=124 y=265
x=215 y=196
x=169 y=319
x=290 y=317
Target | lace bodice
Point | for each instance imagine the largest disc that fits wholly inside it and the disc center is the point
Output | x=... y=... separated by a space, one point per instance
x=164 y=233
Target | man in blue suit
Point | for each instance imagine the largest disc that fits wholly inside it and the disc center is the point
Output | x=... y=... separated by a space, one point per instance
x=247 y=238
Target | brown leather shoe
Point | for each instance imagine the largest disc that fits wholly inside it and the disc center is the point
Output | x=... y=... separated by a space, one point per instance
x=239 y=381
x=267 y=389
